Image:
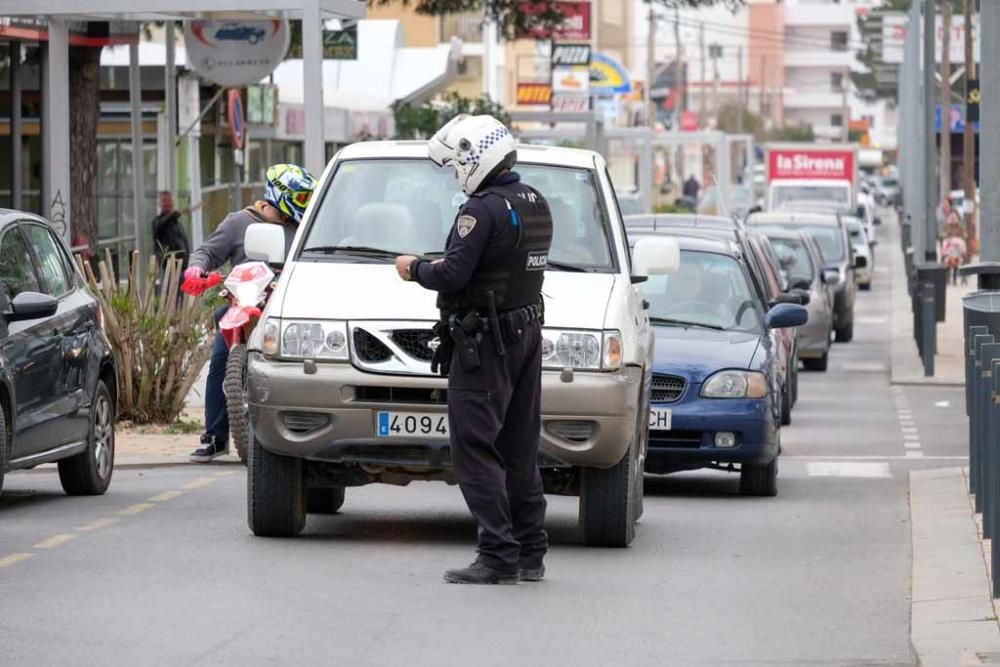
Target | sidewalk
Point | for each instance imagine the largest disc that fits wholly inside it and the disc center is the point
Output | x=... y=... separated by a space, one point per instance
x=907 y=368
x=953 y=621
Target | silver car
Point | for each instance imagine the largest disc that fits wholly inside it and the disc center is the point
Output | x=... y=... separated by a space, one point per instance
x=864 y=252
x=802 y=263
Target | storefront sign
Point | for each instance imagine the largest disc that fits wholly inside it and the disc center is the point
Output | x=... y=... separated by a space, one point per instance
x=608 y=76
x=534 y=93
x=575 y=24
x=834 y=164
x=571 y=102
x=574 y=79
x=261 y=100
x=235 y=53
x=570 y=54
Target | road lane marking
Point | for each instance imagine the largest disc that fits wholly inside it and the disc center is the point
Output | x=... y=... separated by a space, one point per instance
x=54 y=541
x=165 y=496
x=848 y=469
x=911 y=436
x=942 y=404
x=7 y=561
x=909 y=429
x=198 y=483
x=915 y=455
x=890 y=457
x=872 y=320
x=98 y=524
x=224 y=473
x=912 y=445
x=136 y=509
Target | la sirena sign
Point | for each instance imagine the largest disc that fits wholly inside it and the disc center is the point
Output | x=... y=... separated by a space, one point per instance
x=827 y=165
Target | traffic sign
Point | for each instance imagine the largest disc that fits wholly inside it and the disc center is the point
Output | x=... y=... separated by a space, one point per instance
x=237 y=120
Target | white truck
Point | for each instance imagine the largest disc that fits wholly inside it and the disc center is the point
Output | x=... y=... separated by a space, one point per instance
x=812 y=174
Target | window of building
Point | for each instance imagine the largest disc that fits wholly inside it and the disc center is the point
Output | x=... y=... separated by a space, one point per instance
x=837 y=120
x=837 y=81
x=838 y=40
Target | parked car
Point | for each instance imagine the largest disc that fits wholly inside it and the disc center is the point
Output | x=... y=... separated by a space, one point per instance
x=868 y=214
x=629 y=203
x=716 y=399
x=802 y=262
x=57 y=371
x=341 y=392
x=887 y=191
x=830 y=234
x=863 y=252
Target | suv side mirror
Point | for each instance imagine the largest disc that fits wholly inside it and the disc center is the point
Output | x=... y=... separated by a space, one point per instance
x=831 y=276
x=31 y=306
x=655 y=255
x=860 y=261
x=802 y=283
x=265 y=242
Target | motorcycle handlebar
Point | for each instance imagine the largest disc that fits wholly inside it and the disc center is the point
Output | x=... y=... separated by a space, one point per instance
x=195 y=286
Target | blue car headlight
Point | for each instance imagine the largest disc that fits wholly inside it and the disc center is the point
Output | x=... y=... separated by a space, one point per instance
x=735 y=384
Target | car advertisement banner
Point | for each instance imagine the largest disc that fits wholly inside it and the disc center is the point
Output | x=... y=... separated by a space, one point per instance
x=785 y=163
x=235 y=53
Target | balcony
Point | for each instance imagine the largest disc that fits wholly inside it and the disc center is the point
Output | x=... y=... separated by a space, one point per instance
x=820 y=15
x=819 y=57
x=812 y=100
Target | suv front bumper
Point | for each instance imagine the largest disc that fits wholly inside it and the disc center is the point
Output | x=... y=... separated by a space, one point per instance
x=329 y=415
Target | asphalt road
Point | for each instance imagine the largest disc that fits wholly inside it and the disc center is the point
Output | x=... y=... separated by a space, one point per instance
x=163 y=570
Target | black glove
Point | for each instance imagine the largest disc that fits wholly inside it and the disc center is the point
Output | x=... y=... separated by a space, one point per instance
x=441 y=361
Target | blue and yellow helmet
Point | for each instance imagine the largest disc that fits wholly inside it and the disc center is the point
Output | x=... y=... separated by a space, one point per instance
x=288 y=188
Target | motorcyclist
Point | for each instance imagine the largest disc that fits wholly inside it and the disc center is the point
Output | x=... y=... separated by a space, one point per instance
x=287 y=191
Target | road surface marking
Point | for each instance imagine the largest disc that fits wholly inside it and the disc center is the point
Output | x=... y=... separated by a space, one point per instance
x=7 y=561
x=165 y=496
x=98 y=524
x=942 y=404
x=872 y=320
x=909 y=429
x=915 y=455
x=198 y=483
x=136 y=509
x=862 y=367
x=906 y=421
x=224 y=473
x=805 y=457
x=911 y=436
x=848 y=469
x=911 y=445
x=54 y=541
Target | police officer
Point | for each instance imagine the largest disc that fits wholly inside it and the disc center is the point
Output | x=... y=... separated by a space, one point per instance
x=489 y=293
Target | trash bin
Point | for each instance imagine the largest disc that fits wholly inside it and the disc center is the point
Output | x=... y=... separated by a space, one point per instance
x=938 y=275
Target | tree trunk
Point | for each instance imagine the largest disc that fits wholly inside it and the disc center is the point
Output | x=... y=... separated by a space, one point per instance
x=945 y=136
x=85 y=113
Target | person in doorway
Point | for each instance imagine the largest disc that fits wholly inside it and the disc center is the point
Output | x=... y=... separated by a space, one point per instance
x=287 y=191
x=489 y=293
x=691 y=188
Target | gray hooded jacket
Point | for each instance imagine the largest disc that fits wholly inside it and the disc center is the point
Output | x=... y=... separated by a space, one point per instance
x=226 y=242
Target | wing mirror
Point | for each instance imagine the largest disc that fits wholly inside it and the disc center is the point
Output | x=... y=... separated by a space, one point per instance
x=831 y=276
x=265 y=242
x=31 y=306
x=860 y=262
x=785 y=315
x=655 y=255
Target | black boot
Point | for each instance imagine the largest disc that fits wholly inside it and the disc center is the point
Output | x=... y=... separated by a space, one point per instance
x=532 y=569
x=480 y=573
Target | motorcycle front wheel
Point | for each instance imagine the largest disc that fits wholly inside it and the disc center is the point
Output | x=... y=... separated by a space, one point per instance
x=237 y=407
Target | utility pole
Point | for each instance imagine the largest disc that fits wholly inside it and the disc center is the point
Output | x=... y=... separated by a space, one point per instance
x=740 y=104
x=930 y=154
x=989 y=133
x=650 y=68
x=845 y=111
x=763 y=86
x=701 y=47
x=945 y=101
x=968 y=138
x=716 y=52
x=680 y=75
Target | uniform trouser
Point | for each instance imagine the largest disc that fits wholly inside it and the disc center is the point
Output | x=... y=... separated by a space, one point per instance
x=216 y=417
x=494 y=419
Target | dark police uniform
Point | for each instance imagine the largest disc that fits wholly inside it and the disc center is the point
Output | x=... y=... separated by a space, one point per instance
x=489 y=286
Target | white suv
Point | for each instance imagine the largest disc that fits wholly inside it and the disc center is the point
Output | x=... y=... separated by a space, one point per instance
x=339 y=384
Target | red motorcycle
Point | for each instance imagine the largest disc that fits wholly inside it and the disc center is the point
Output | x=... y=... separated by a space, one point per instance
x=247 y=289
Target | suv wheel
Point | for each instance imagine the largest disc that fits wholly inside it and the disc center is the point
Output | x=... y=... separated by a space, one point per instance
x=845 y=333
x=759 y=480
x=235 y=390
x=276 y=497
x=325 y=500
x=4 y=446
x=89 y=472
x=607 y=502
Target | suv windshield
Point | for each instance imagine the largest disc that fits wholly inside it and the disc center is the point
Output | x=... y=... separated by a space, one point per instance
x=794 y=258
x=407 y=206
x=707 y=291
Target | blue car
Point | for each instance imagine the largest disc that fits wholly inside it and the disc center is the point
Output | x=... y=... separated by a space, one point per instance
x=716 y=389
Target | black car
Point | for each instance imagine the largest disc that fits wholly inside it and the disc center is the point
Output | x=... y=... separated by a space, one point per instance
x=57 y=371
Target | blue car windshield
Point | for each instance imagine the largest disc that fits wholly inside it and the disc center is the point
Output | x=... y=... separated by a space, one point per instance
x=708 y=290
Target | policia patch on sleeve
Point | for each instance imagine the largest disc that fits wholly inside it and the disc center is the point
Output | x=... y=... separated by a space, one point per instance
x=464 y=225
x=537 y=261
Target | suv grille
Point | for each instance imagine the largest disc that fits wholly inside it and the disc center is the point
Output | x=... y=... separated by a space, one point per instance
x=369 y=348
x=415 y=342
x=666 y=388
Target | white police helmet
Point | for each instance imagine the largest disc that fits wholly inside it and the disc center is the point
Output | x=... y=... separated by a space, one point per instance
x=478 y=147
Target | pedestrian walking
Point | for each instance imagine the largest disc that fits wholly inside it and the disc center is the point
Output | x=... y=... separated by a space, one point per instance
x=168 y=233
x=489 y=293
x=287 y=190
x=953 y=248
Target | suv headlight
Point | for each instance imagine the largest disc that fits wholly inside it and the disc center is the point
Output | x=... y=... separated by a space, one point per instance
x=735 y=384
x=581 y=350
x=305 y=339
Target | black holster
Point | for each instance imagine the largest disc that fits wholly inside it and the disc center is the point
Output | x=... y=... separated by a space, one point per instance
x=467 y=334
